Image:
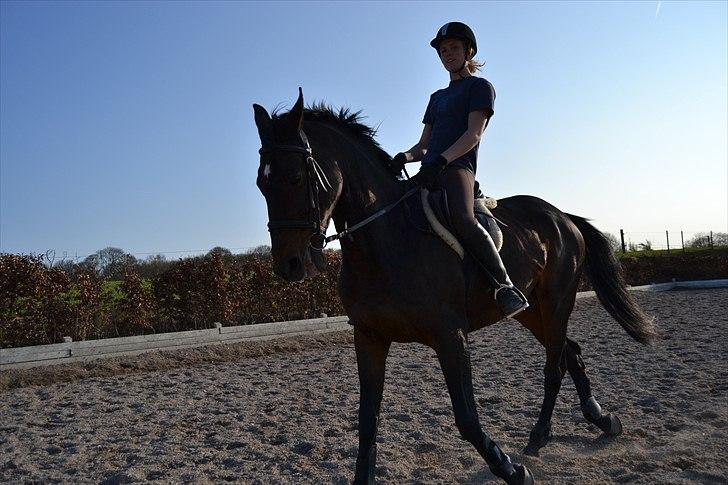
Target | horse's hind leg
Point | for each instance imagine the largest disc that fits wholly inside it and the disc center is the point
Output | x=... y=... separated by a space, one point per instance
x=371 y=356
x=608 y=423
x=452 y=351
x=553 y=375
x=547 y=320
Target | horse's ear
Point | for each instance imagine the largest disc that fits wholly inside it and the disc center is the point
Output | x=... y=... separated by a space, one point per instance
x=264 y=124
x=297 y=111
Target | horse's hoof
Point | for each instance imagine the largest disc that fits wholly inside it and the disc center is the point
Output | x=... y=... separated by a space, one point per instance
x=538 y=438
x=611 y=425
x=530 y=450
x=523 y=476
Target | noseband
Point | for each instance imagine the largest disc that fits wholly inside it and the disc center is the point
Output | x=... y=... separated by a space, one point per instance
x=315 y=181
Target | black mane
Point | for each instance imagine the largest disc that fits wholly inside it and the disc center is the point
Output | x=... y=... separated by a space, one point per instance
x=344 y=118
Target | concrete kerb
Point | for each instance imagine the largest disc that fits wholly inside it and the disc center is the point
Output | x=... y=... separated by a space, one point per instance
x=672 y=285
x=68 y=351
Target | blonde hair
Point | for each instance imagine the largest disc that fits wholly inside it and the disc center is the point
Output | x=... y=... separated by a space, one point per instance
x=471 y=64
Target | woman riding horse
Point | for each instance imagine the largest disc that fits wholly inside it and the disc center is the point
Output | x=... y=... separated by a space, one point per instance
x=317 y=166
x=454 y=120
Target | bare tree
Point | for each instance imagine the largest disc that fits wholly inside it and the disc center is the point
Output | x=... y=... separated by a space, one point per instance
x=699 y=240
x=110 y=262
x=153 y=265
x=613 y=241
x=262 y=250
x=220 y=250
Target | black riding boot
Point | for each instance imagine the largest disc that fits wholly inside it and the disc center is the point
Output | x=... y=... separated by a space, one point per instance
x=481 y=247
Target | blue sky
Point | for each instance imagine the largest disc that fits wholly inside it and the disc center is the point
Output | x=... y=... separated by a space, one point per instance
x=131 y=124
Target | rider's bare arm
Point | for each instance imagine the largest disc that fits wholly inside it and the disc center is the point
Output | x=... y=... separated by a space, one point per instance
x=476 y=126
x=417 y=152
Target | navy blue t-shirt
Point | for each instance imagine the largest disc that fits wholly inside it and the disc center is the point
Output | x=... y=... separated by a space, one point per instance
x=448 y=112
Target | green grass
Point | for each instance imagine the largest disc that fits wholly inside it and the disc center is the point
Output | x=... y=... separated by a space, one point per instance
x=672 y=252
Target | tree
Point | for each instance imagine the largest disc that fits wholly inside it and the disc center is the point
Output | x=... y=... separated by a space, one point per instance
x=224 y=252
x=720 y=239
x=262 y=250
x=699 y=240
x=66 y=265
x=645 y=246
x=153 y=265
x=110 y=262
x=613 y=241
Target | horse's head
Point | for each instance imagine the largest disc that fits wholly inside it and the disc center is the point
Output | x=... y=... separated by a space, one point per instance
x=298 y=193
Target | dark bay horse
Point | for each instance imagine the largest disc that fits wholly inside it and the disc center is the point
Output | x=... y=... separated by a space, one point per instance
x=398 y=284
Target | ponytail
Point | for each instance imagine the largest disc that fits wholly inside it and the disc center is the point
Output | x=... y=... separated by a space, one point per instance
x=471 y=64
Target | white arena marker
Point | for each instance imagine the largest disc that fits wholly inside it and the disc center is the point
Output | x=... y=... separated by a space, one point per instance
x=266 y=170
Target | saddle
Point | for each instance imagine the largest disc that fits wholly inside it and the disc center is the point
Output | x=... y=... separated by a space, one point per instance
x=437 y=212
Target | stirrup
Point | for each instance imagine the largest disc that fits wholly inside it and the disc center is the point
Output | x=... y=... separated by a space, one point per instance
x=518 y=292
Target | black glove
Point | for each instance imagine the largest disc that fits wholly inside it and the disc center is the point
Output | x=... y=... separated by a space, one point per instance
x=429 y=171
x=396 y=164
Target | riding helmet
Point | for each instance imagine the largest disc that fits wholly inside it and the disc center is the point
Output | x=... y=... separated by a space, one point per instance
x=455 y=30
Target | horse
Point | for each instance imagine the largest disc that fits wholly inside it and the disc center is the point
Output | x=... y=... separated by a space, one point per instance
x=398 y=284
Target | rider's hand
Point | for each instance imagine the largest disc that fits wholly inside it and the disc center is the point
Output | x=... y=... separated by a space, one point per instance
x=396 y=165
x=429 y=171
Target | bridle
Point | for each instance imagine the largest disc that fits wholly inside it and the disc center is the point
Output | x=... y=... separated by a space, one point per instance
x=315 y=181
x=315 y=174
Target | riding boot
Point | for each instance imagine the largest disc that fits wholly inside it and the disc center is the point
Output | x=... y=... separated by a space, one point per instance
x=481 y=247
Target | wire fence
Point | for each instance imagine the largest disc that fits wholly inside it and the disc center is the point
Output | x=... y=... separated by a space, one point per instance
x=669 y=240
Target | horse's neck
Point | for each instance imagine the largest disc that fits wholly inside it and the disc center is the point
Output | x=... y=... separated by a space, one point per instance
x=367 y=188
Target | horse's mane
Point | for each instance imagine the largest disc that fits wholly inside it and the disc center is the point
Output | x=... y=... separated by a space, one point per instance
x=344 y=118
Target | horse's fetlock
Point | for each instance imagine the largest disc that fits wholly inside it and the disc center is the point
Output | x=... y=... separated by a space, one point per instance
x=591 y=409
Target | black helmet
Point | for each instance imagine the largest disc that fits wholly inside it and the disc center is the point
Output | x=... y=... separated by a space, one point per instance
x=455 y=30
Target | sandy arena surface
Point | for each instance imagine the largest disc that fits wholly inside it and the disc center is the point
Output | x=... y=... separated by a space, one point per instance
x=285 y=411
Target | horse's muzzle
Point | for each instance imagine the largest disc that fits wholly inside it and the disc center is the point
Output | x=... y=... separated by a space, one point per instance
x=290 y=269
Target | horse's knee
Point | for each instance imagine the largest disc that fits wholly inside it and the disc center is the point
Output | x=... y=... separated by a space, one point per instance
x=553 y=375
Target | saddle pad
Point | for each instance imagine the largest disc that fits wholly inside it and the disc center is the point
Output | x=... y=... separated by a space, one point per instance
x=434 y=205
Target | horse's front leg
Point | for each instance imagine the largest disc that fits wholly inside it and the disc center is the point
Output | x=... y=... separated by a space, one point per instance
x=452 y=351
x=371 y=356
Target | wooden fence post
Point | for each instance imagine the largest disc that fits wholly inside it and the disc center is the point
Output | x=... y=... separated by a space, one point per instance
x=621 y=234
x=667 y=238
x=682 y=241
x=711 y=239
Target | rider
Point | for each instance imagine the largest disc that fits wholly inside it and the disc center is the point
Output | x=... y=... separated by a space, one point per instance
x=454 y=120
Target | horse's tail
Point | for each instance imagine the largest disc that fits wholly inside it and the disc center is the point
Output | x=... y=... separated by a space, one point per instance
x=605 y=274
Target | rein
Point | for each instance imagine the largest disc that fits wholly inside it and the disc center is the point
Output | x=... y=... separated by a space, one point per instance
x=318 y=239
x=369 y=219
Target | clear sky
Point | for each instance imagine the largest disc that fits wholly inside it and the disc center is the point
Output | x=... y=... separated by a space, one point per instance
x=131 y=124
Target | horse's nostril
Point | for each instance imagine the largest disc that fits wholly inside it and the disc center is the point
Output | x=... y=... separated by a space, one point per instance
x=294 y=264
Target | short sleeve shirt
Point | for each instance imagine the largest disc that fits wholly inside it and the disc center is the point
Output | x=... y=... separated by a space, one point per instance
x=448 y=112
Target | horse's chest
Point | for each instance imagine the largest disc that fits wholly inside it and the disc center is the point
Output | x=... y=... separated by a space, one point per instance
x=400 y=306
